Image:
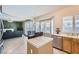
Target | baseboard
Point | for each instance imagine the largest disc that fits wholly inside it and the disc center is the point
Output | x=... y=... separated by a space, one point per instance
x=62 y=50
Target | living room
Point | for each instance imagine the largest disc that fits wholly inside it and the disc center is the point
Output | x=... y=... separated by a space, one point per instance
x=35 y=29
x=39 y=29
x=20 y=24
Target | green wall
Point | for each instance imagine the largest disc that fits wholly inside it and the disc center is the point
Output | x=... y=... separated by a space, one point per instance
x=14 y=25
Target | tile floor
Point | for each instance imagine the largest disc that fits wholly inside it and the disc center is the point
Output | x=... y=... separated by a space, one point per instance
x=15 y=46
x=19 y=46
x=56 y=51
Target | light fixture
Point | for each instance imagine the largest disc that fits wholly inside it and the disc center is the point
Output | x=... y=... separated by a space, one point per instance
x=9 y=20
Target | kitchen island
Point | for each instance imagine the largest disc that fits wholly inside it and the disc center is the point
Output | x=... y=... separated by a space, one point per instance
x=40 y=45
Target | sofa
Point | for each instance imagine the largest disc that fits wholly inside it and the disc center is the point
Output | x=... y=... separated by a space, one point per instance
x=33 y=34
x=12 y=34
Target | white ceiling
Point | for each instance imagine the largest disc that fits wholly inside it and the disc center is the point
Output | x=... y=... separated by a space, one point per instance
x=22 y=12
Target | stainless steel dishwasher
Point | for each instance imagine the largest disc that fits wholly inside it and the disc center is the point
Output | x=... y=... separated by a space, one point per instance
x=57 y=42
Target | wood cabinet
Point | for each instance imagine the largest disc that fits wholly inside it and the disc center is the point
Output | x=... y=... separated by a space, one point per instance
x=75 y=46
x=67 y=44
x=46 y=49
x=71 y=45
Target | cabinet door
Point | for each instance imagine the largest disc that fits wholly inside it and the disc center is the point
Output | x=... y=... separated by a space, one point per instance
x=67 y=44
x=77 y=47
x=74 y=46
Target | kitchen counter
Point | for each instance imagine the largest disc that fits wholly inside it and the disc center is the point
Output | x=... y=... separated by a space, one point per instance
x=40 y=45
x=69 y=43
x=69 y=36
x=39 y=41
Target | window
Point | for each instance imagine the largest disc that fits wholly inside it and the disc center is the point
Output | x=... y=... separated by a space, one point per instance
x=42 y=26
x=77 y=23
x=37 y=26
x=68 y=24
x=46 y=26
x=52 y=25
x=29 y=25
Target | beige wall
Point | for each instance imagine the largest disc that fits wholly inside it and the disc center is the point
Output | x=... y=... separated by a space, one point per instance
x=68 y=11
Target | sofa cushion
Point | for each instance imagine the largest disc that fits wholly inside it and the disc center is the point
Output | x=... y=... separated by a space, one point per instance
x=10 y=34
x=8 y=31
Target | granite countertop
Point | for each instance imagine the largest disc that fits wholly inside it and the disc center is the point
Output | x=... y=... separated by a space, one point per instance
x=69 y=36
x=39 y=41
